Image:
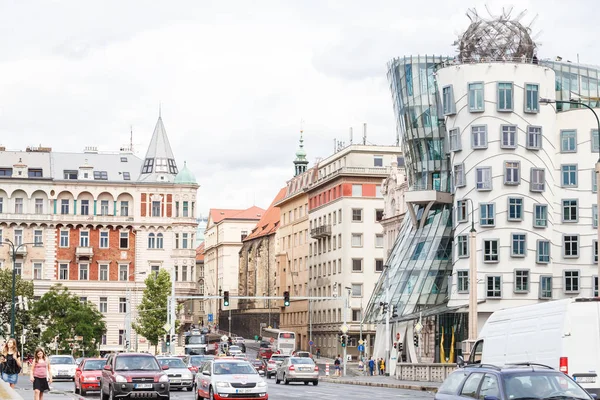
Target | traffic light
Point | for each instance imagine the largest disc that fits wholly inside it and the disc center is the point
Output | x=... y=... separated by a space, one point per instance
x=416 y=340
x=394 y=311
x=384 y=307
x=344 y=340
x=168 y=340
x=226 y=298
x=286 y=298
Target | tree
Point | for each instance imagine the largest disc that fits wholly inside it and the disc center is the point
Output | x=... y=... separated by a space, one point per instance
x=65 y=316
x=152 y=312
x=23 y=317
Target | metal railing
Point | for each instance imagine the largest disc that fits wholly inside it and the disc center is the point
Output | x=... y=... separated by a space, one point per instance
x=320 y=231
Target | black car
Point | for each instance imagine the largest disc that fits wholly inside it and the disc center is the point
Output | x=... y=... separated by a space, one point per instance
x=134 y=375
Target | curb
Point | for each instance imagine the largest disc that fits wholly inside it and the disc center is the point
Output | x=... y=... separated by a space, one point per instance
x=420 y=388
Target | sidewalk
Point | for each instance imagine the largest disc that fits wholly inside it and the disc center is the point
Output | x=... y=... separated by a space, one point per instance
x=383 y=381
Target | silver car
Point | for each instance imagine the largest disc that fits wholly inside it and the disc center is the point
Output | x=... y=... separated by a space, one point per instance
x=297 y=369
x=180 y=377
x=63 y=367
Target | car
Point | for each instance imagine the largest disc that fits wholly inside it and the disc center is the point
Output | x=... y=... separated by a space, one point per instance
x=180 y=377
x=259 y=365
x=512 y=381
x=63 y=367
x=238 y=340
x=305 y=354
x=265 y=352
x=224 y=378
x=136 y=375
x=193 y=362
x=297 y=369
x=235 y=350
x=273 y=363
x=88 y=374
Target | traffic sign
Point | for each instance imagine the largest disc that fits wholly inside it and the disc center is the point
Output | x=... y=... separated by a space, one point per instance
x=210 y=318
x=224 y=338
x=361 y=348
x=167 y=327
x=344 y=328
x=361 y=341
x=311 y=343
x=418 y=327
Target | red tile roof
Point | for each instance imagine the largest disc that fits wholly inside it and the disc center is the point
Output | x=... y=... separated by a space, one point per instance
x=270 y=220
x=219 y=214
x=200 y=253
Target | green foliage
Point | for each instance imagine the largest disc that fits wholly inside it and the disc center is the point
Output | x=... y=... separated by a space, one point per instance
x=65 y=316
x=152 y=311
x=23 y=318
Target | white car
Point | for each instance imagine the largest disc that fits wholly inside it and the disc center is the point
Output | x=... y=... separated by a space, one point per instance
x=238 y=340
x=180 y=376
x=227 y=377
x=235 y=350
x=63 y=367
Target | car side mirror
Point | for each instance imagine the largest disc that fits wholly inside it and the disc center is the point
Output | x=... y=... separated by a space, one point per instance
x=207 y=373
x=491 y=398
x=594 y=396
x=164 y=367
x=107 y=367
x=460 y=361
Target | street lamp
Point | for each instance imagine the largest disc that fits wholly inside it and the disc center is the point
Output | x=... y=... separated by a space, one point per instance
x=388 y=293
x=579 y=103
x=128 y=311
x=472 y=276
x=14 y=248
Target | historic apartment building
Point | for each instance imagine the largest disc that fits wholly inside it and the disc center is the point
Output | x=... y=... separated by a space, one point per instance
x=393 y=190
x=99 y=224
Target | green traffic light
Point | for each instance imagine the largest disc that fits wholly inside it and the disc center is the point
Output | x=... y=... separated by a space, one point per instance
x=286 y=303
x=226 y=303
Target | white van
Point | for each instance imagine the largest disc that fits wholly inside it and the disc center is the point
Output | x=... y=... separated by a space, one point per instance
x=563 y=334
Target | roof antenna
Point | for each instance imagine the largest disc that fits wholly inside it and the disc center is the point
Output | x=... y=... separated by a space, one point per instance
x=131 y=138
x=159 y=109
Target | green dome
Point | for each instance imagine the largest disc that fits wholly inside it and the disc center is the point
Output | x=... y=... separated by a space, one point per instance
x=185 y=176
x=301 y=153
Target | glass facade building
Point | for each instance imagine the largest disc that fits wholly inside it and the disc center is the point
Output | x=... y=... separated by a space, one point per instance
x=575 y=81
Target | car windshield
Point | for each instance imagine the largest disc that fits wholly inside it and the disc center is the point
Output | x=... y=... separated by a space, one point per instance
x=196 y=361
x=230 y=368
x=62 y=360
x=138 y=363
x=278 y=358
x=94 y=365
x=539 y=385
x=301 y=361
x=172 y=362
x=234 y=348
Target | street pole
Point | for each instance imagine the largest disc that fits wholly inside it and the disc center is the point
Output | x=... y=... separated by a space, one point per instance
x=473 y=330
x=310 y=337
x=361 y=324
x=14 y=248
x=387 y=320
x=230 y=322
x=345 y=333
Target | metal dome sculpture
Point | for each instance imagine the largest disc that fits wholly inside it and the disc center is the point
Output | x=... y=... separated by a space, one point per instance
x=497 y=38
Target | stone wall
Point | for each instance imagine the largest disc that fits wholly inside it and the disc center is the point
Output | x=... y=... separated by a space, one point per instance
x=257 y=271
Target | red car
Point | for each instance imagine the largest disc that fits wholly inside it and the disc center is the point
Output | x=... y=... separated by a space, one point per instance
x=87 y=375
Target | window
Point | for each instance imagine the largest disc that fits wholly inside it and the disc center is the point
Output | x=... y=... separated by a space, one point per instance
x=126 y=176
x=34 y=173
x=121 y=335
x=37 y=270
x=462 y=245
x=569 y=175
x=595 y=250
x=595 y=141
x=85 y=207
x=100 y=175
x=357 y=240
x=84 y=239
x=151 y=241
x=568 y=141
x=518 y=245
x=448 y=100
x=570 y=246
x=357 y=265
x=537 y=182
x=39 y=206
x=461 y=210
x=476 y=99
x=38 y=237
x=490 y=250
x=1 y=204
x=543 y=252
x=18 y=268
x=515 y=208
x=156 y=208
x=103 y=305
x=83 y=272
x=505 y=96
x=487 y=214
x=459 y=175
x=103 y=272
x=64 y=206
x=595 y=289
x=512 y=172
x=159 y=241
x=356 y=315
x=540 y=215
x=184 y=241
x=63 y=272
x=378 y=193
x=532 y=98
x=123 y=272
x=570 y=210
x=104 y=239
x=18 y=236
x=509 y=137
x=357 y=214
x=64 y=239
x=489 y=387
x=571 y=281
x=494 y=287
x=186 y=209
x=462 y=281
x=521 y=281
x=378 y=265
x=122 y=305
x=378 y=215
x=483 y=178
x=148 y=166
x=594 y=186
x=378 y=161
x=534 y=137
x=124 y=240
x=356 y=289
x=479 y=138
x=19 y=205
x=471 y=385
x=154 y=270
x=545 y=287
x=455 y=142
x=379 y=240
x=69 y=175
x=103 y=207
x=124 y=208
x=595 y=215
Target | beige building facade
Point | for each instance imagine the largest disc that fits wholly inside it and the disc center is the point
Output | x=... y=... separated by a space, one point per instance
x=393 y=189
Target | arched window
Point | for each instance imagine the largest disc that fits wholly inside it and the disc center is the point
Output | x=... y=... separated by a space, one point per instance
x=151 y=241
x=393 y=207
x=159 y=241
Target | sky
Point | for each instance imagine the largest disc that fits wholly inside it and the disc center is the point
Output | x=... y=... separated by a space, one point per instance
x=235 y=80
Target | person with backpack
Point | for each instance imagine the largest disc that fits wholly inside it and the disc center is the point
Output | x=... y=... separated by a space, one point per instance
x=337 y=363
x=12 y=365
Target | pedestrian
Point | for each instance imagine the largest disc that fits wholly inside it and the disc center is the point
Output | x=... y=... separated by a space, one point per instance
x=337 y=365
x=12 y=366
x=371 y=365
x=318 y=353
x=40 y=374
x=382 y=367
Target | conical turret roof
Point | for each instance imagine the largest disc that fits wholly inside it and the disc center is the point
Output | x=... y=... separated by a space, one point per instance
x=159 y=163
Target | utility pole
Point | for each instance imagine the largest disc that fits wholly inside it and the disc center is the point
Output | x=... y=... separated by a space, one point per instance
x=173 y=316
x=345 y=331
x=387 y=320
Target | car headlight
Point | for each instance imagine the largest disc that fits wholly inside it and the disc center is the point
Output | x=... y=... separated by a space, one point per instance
x=163 y=378
x=261 y=384
x=120 y=379
x=222 y=384
x=187 y=376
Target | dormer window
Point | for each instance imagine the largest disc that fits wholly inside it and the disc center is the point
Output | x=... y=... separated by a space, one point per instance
x=34 y=172
x=148 y=166
x=70 y=175
x=5 y=171
x=123 y=159
x=100 y=175
x=161 y=165
x=172 y=166
x=126 y=176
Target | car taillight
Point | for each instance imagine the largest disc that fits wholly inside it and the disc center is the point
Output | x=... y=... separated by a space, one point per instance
x=316 y=367
x=564 y=365
x=193 y=369
x=291 y=368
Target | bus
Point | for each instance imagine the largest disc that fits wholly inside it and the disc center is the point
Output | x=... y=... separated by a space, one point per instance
x=284 y=342
x=207 y=343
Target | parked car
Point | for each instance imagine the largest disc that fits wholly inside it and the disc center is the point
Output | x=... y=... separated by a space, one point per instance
x=297 y=369
x=63 y=367
x=193 y=362
x=230 y=378
x=134 y=375
x=516 y=381
x=273 y=363
x=88 y=374
x=180 y=377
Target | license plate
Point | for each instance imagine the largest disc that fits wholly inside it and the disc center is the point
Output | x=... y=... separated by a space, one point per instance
x=63 y=373
x=243 y=390
x=585 y=379
x=143 y=386
x=175 y=380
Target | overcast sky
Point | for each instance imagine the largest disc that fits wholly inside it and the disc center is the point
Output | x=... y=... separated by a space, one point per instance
x=235 y=78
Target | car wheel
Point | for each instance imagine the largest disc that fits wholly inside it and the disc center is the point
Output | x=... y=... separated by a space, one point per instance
x=285 y=380
x=315 y=383
x=190 y=388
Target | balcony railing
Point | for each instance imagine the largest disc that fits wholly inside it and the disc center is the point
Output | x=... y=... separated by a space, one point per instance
x=186 y=288
x=21 y=251
x=320 y=232
x=84 y=252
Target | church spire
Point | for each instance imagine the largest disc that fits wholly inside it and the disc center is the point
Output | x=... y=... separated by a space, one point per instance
x=300 y=163
x=159 y=163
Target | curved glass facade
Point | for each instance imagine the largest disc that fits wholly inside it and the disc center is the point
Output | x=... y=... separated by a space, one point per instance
x=575 y=81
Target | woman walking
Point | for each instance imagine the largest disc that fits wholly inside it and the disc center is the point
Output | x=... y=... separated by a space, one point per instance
x=40 y=374
x=12 y=364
